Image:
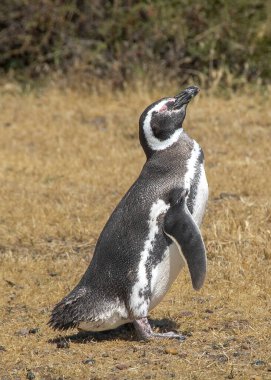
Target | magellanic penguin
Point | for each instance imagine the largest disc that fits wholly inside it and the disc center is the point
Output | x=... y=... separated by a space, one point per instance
x=152 y=233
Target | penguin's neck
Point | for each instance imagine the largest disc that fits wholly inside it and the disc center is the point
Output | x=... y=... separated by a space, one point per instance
x=177 y=148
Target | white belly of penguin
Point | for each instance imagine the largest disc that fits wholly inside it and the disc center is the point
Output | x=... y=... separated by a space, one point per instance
x=165 y=273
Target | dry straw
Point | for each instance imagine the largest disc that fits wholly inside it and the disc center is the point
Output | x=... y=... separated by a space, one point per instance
x=66 y=160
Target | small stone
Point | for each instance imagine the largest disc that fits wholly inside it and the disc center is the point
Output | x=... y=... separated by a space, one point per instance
x=258 y=362
x=244 y=346
x=209 y=311
x=186 y=314
x=121 y=366
x=145 y=361
x=171 y=351
x=53 y=274
x=105 y=355
x=2 y=349
x=236 y=354
x=63 y=343
x=34 y=330
x=89 y=361
x=22 y=332
x=30 y=375
x=222 y=358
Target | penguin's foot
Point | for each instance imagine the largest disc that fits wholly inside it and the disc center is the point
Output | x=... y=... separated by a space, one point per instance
x=169 y=335
x=144 y=331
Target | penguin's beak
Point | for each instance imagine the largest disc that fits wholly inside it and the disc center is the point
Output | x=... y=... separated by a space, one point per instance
x=185 y=96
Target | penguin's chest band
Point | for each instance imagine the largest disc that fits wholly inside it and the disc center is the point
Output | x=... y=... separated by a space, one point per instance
x=140 y=293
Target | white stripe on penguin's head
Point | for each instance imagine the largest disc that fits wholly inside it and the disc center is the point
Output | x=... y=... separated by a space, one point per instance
x=154 y=142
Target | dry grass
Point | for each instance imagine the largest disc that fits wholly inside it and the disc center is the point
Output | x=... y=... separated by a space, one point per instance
x=66 y=159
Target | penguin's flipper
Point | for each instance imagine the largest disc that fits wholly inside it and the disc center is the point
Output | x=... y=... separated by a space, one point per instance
x=181 y=228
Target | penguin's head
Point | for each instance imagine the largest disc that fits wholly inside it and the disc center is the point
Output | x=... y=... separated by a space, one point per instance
x=160 y=125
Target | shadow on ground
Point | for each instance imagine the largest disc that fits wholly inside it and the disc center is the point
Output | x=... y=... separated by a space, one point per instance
x=125 y=332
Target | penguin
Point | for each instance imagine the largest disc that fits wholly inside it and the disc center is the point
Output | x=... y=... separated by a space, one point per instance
x=152 y=234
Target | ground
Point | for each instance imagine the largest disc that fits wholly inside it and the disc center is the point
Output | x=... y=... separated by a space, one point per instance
x=67 y=157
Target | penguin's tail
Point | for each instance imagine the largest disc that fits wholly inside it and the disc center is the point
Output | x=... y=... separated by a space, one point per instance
x=70 y=310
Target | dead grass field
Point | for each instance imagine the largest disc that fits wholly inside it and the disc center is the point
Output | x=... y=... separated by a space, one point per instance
x=66 y=159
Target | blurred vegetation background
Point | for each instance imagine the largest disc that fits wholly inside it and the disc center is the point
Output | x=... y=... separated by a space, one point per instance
x=211 y=42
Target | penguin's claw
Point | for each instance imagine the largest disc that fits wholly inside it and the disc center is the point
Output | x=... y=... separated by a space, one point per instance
x=169 y=335
x=144 y=331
